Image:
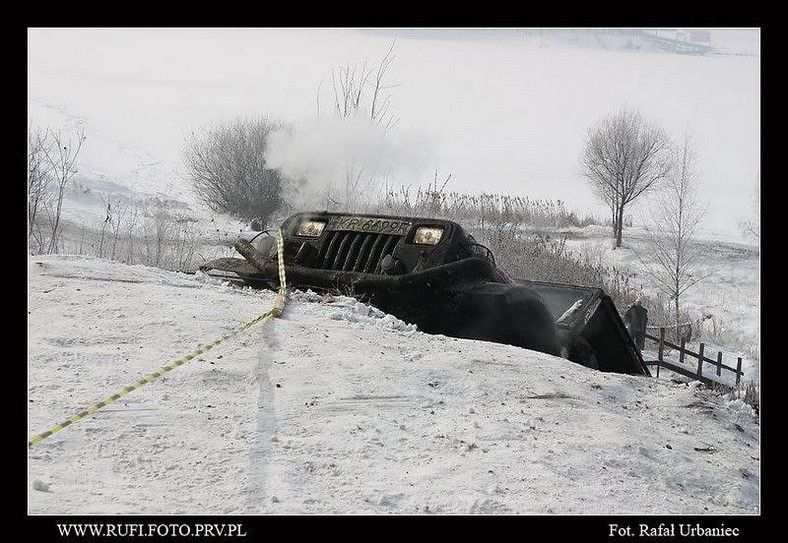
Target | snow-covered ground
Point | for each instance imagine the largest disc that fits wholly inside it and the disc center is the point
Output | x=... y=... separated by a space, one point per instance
x=337 y=408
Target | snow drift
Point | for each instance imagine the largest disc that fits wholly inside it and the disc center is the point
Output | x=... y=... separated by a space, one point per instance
x=339 y=408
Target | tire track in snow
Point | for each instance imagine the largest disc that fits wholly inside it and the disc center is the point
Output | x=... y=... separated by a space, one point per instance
x=265 y=426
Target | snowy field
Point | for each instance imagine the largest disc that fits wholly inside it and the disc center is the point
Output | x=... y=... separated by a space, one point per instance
x=337 y=408
x=506 y=113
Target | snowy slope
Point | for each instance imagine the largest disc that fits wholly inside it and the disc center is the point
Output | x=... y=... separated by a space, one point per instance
x=337 y=408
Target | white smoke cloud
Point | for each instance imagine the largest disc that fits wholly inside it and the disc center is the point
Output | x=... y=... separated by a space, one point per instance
x=321 y=154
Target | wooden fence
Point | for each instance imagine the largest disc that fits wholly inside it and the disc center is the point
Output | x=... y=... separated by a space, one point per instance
x=683 y=353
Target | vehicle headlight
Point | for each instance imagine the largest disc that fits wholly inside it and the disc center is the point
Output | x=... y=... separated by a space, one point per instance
x=311 y=228
x=427 y=235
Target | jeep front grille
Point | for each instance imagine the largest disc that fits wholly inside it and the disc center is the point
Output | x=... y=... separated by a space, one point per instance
x=355 y=251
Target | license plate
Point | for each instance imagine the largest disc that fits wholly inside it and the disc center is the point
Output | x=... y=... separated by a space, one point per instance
x=368 y=224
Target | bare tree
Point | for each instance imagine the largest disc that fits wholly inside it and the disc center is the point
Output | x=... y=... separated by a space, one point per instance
x=118 y=219
x=227 y=167
x=624 y=156
x=751 y=227
x=51 y=167
x=156 y=231
x=380 y=110
x=63 y=167
x=364 y=90
x=672 y=249
x=133 y=219
x=361 y=92
x=39 y=176
x=106 y=222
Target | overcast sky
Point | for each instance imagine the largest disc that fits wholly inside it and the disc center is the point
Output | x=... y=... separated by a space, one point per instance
x=498 y=110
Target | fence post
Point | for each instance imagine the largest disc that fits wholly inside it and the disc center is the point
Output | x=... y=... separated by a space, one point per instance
x=738 y=372
x=661 y=346
x=700 y=361
x=681 y=352
x=719 y=363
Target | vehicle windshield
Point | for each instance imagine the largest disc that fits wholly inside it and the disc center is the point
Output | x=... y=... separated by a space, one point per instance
x=563 y=301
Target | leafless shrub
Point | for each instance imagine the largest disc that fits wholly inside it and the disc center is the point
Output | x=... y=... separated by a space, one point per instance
x=544 y=257
x=117 y=218
x=226 y=165
x=713 y=329
x=751 y=227
x=661 y=313
x=185 y=243
x=141 y=232
x=39 y=176
x=132 y=219
x=169 y=238
x=752 y=396
x=364 y=90
x=82 y=236
x=749 y=393
x=479 y=210
x=360 y=92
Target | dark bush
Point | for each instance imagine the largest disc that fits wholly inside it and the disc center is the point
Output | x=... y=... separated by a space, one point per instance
x=226 y=165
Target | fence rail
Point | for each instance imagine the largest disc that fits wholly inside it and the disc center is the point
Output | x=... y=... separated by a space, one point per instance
x=684 y=352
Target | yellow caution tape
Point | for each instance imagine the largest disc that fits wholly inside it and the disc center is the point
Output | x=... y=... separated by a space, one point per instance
x=275 y=311
x=147 y=379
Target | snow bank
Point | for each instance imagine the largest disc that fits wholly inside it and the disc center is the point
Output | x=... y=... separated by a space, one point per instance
x=353 y=311
x=336 y=408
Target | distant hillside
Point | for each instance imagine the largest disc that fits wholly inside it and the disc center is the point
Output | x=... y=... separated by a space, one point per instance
x=663 y=40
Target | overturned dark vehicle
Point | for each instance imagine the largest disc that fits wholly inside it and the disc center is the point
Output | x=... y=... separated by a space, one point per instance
x=433 y=273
